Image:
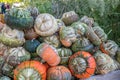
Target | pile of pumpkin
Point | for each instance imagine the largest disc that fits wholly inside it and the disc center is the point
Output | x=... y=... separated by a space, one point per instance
x=36 y=46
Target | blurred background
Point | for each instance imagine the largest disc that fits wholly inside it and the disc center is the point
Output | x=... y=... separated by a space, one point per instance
x=105 y=12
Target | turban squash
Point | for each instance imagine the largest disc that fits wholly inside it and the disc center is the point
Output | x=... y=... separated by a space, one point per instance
x=48 y=53
x=58 y=73
x=104 y=63
x=13 y=57
x=82 y=64
x=109 y=47
x=67 y=36
x=45 y=24
x=64 y=53
x=30 y=70
x=19 y=18
x=11 y=37
x=69 y=17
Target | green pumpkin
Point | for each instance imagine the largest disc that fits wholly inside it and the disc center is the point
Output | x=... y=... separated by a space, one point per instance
x=69 y=17
x=31 y=45
x=5 y=78
x=82 y=44
x=11 y=37
x=52 y=40
x=64 y=53
x=14 y=57
x=19 y=18
x=79 y=28
x=104 y=63
x=100 y=33
x=67 y=36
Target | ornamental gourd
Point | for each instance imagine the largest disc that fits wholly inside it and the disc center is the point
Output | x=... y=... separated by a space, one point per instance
x=48 y=53
x=100 y=33
x=79 y=28
x=82 y=44
x=30 y=70
x=52 y=40
x=30 y=34
x=19 y=18
x=14 y=57
x=104 y=63
x=69 y=17
x=67 y=36
x=87 y=20
x=82 y=64
x=45 y=24
x=109 y=47
x=11 y=37
x=64 y=53
x=58 y=73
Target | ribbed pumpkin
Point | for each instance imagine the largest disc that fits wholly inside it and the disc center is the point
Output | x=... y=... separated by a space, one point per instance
x=30 y=70
x=100 y=33
x=11 y=37
x=45 y=24
x=87 y=20
x=30 y=34
x=58 y=73
x=82 y=64
x=60 y=23
x=92 y=36
x=5 y=78
x=109 y=47
x=64 y=53
x=82 y=44
x=2 y=18
x=48 y=53
x=31 y=45
x=69 y=17
x=19 y=18
x=79 y=28
x=52 y=40
x=14 y=57
x=104 y=63
x=67 y=36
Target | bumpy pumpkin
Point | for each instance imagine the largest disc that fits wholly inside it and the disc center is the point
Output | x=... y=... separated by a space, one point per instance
x=30 y=70
x=58 y=73
x=11 y=37
x=19 y=18
x=52 y=40
x=48 y=53
x=109 y=47
x=82 y=64
x=14 y=57
x=82 y=44
x=100 y=33
x=104 y=63
x=30 y=34
x=92 y=36
x=87 y=20
x=67 y=36
x=45 y=24
x=69 y=17
x=79 y=28
x=64 y=53
x=31 y=45
x=5 y=78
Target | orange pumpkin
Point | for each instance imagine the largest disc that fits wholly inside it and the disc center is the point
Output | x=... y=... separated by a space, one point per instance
x=48 y=53
x=82 y=64
x=30 y=70
x=58 y=73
